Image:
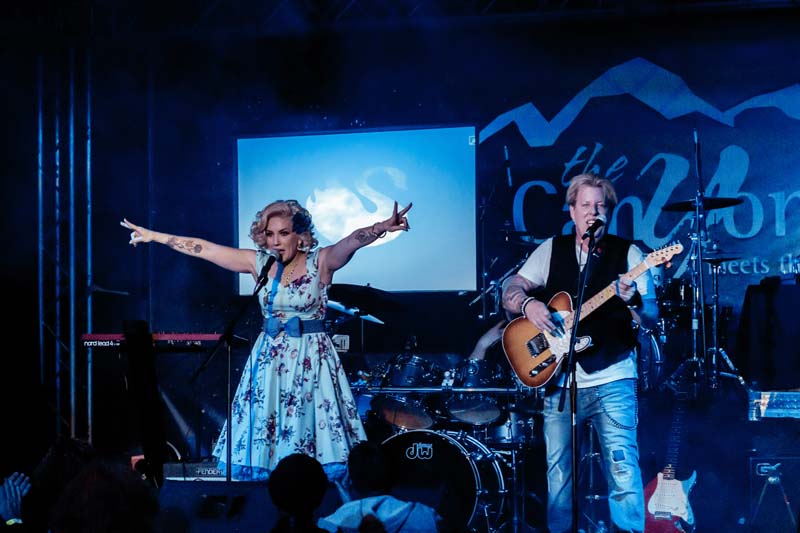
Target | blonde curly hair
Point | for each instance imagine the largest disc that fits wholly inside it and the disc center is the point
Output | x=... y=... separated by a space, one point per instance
x=301 y=223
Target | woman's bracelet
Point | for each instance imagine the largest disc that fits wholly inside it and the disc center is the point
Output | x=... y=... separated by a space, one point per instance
x=375 y=233
x=525 y=302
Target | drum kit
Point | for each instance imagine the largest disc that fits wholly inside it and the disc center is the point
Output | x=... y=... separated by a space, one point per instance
x=454 y=437
x=454 y=428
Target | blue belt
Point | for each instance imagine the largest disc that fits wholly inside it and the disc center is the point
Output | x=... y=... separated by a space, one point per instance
x=294 y=327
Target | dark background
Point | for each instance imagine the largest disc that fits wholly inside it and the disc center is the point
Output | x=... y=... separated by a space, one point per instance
x=172 y=87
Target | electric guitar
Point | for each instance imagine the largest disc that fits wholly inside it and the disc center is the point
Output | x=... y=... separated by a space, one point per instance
x=667 y=507
x=535 y=355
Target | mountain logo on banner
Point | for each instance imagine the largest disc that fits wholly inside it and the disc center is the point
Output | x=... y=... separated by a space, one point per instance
x=656 y=87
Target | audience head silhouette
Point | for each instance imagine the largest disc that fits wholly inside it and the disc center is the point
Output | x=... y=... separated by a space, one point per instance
x=368 y=469
x=297 y=487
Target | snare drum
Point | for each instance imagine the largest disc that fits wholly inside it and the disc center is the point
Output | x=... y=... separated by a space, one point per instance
x=449 y=471
x=475 y=408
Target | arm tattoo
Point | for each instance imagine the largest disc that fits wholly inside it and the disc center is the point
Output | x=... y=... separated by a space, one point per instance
x=363 y=236
x=184 y=245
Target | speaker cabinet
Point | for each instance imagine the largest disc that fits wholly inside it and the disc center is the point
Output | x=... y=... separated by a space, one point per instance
x=774 y=493
x=221 y=507
x=211 y=506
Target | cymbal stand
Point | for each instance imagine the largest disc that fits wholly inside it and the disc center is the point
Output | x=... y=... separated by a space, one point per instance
x=716 y=350
x=693 y=366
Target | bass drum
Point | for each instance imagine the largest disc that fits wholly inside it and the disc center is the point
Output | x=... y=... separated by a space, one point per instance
x=449 y=471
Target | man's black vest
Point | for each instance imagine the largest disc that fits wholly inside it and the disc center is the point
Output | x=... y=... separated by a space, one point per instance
x=610 y=325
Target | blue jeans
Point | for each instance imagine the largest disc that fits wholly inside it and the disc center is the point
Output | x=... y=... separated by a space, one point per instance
x=613 y=410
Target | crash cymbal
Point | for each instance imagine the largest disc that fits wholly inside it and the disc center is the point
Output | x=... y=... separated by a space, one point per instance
x=367 y=299
x=708 y=203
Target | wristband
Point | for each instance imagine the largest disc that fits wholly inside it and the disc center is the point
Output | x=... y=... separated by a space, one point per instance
x=12 y=521
x=525 y=302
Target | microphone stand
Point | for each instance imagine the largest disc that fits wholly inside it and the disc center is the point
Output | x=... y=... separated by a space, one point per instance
x=226 y=338
x=583 y=277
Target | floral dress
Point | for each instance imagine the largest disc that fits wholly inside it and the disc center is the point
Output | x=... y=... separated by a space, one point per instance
x=293 y=395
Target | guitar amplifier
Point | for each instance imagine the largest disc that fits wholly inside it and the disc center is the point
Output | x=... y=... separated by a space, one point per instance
x=774 y=494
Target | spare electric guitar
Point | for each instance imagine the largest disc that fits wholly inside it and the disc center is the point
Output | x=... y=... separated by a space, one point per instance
x=535 y=355
x=667 y=507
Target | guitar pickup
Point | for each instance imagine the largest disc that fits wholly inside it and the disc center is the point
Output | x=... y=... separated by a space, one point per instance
x=542 y=366
x=537 y=345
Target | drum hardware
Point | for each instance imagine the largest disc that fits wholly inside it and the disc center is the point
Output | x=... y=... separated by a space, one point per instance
x=518 y=430
x=590 y=462
x=519 y=492
x=351 y=300
x=495 y=288
x=692 y=369
x=715 y=261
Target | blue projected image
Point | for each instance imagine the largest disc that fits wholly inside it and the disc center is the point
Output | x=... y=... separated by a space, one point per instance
x=351 y=180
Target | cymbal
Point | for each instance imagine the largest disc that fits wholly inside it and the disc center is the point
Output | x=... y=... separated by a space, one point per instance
x=718 y=259
x=717 y=256
x=366 y=298
x=708 y=203
x=354 y=312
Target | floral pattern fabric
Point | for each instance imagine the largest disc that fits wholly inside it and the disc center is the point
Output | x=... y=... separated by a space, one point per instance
x=293 y=395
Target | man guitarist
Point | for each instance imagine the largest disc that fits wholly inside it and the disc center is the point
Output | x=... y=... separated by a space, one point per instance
x=606 y=365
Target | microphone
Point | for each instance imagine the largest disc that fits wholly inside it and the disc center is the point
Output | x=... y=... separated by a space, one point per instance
x=272 y=256
x=598 y=223
x=508 y=166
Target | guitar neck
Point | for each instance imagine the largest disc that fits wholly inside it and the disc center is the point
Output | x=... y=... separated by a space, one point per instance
x=676 y=435
x=606 y=294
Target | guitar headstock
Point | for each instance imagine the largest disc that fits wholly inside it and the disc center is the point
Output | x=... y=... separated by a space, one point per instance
x=663 y=255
